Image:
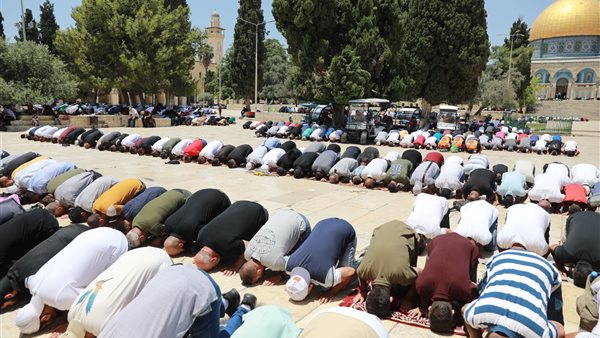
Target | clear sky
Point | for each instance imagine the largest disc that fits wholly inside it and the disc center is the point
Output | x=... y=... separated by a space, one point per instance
x=501 y=14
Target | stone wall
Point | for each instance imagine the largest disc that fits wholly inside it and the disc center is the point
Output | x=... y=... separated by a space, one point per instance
x=110 y=121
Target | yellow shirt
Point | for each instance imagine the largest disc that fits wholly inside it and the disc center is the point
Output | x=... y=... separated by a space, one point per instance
x=111 y=201
x=26 y=164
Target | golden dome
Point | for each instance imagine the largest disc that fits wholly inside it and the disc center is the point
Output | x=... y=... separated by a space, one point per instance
x=567 y=18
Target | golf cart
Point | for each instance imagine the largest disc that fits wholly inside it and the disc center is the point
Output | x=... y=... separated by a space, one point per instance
x=406 y=115
x=360 y=125
x=447 y=118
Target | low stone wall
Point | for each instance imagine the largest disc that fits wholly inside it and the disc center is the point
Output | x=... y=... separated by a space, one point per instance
x=276 y=117
x=110 y=121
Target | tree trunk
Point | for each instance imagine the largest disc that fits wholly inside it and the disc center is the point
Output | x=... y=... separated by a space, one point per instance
x=426 y=111
x=247 y=103
x=338 y=116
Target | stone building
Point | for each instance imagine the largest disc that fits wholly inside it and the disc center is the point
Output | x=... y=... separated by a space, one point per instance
x=215 y=36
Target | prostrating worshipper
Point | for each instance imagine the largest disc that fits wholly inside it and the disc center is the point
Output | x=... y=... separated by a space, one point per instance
x=540 y=147
x=450 y=179
x=353 y=152
x=38 y=182
x=5 y=160
x=512 y=189
x=393 y=138
x=167 y=148
x=180 y=301
x=575 y=198
x=269 y=161
x=57 y=134
x=441 y=299
x=270 y=248
x=295 y=132
x=407 y=141
x=479 y=222
x=108 y=206
x=62 y=178
x=145 y=147
x=148 y=224
x=395 y=244
x=254 y=159
x=272 y=131
x=192 y=151
x=261 y=131
x=72 y=136
x=269 y=322
x=585 y=174
x=594 y=199
x=315 y=147
x=63 y=134
x=342 y=170
x=134 y=205
x=349 y=323
x=380 y=138
x=367 y=155
x=570 y=148
x=481 y=182
x=323 y=164
x=45 y=133
x=91 y=139
x=22 y=233
x=435 y=157
x=392 y=156
x=116 y=143
x=336 y=135
x=413 y=156
x=555 y=147
x=560 y=170
x=177 y=151
x=288 y=145
x=499 y=170
x=222 y=155
x=325 y=258
x=521 y=297
x=547 y=187
x=472 y=145
x=210 y=151
x=156 y=148
x=113 y=289
x=84 y=202
x=527 y=225
x=225 y=237
x=286 y=162
x=588 y=307
x=527 y=169
x=106 y=141
x=66 y=193
x=23 y=174
x=423 y=177
x=11 y=166
x=429 y=218
x=10 y=207
x=476 y=162
x=373 y=173
x=59 y=282
x=183 y=225
x=397 y=177
x=458 y=143
x=283 y=131
x=579 y=254
x=318 y=134
x=302 y=166
x=237 y=157
x=13 y=284
x=128 y=142
x=525 y=144
x=272 y=143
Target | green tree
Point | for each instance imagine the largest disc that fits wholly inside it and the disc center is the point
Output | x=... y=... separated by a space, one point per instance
x=447 y=45
x=345 y=79
x=529 y=98
x=31 y=28
x=175 y=3
x=48 y=25
x=519 y=31
x=2 y=36
x=135 y=46
x=212 y=79
x=276 y=69
x=29 y=74
x=242 y=63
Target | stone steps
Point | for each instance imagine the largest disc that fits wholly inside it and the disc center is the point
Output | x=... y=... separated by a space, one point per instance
x=570 y=108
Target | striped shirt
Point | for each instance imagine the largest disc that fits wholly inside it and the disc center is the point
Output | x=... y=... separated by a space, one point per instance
x=515 y=298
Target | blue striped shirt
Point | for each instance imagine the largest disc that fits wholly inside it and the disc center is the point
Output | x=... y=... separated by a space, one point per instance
x=515 y=298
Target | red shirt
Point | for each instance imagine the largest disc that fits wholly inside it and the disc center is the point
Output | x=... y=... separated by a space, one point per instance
x=575 y=193
x=521 y=136
x=446 y=275
x=435 y=157
x=420 y=140
x=194 y=149
x=65 y=133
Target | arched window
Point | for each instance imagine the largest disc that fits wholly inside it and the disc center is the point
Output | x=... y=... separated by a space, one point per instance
x=543 y=75
x=587 y=75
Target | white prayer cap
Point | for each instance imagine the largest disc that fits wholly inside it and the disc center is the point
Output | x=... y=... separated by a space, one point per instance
x=297 y=285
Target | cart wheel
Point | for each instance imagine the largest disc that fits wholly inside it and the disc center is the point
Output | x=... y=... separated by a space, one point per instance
x=363 y=138
x=344 y=138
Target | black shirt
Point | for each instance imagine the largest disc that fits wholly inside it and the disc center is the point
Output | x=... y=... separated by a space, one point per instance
x=118 y=140
x=305 y=161
x=33 y=260
x=147 y=142
x=22 y=233
x=17 y=162
x=287 y=160
x=227 y=232
x=369 y=154
x=555 y=144
x=224 y=152
x=239 y=154
x=413 y=156
x=500 y=169
x=334 y=147
x=583 y=232
x=92 y=137
x=83 y=135
x=199 y=209
x=351 y=152
x=296 y=131
x=288 y=145
x=482 y=180
x=74 y=134
x=110 y=138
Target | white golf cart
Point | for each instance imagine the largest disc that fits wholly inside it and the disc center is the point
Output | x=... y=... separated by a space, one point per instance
x=361 y=122
x=447 y=118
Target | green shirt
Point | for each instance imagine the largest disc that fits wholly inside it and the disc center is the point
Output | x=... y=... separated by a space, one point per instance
x=398 y=172
x=153 y=215
x=60 y=179
x=268 y=322
x=168 y=146
x=388 y=258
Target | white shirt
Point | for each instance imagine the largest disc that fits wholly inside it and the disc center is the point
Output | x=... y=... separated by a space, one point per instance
x=336 y=135
x=375 y=169
x=476 y=219
x=316 y=133
x=540 y=145
x=254 y=124
x=130 y=140
x=407 y=140
x=392 y=156
x=427 y=214
x=158 y=145
x=120 y=283
x=432 y=140
x=47 y=132
x=585 y=174
x=180 y=146
x=393 y=136
x=211 y=149
x=450 y=176
x=271 y=158
x=571 y=145
x=476 y=162
x=257 y=155
x=546 y=137
x=559 y=170
x=41 y=130
x=547 y=186
x=525 y=224
x=133 y=113
x=512 y=136
x=59 y=132
x=454 y=159
x=283 y=130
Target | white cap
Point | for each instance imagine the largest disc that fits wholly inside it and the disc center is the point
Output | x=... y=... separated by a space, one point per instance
x=28 y=318
x=297 y=285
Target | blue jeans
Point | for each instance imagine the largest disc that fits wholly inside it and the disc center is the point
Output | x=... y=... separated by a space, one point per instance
x=347 y=258
x=491 y=246
x=234 y=323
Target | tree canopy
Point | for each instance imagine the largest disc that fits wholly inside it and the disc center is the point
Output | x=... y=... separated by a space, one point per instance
x=30 y=74
x=48 y=25
x=31 y=28
x=276 y=71
x=2 y=36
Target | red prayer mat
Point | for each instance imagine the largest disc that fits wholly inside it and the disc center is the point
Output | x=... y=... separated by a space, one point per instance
x=397 y=316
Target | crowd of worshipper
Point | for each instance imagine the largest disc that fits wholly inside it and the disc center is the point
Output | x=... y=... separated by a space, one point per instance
x=501 y=302
x=487 y=136
x=115 y=276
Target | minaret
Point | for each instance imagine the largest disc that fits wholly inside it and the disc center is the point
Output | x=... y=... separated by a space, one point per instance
x=215 y=37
